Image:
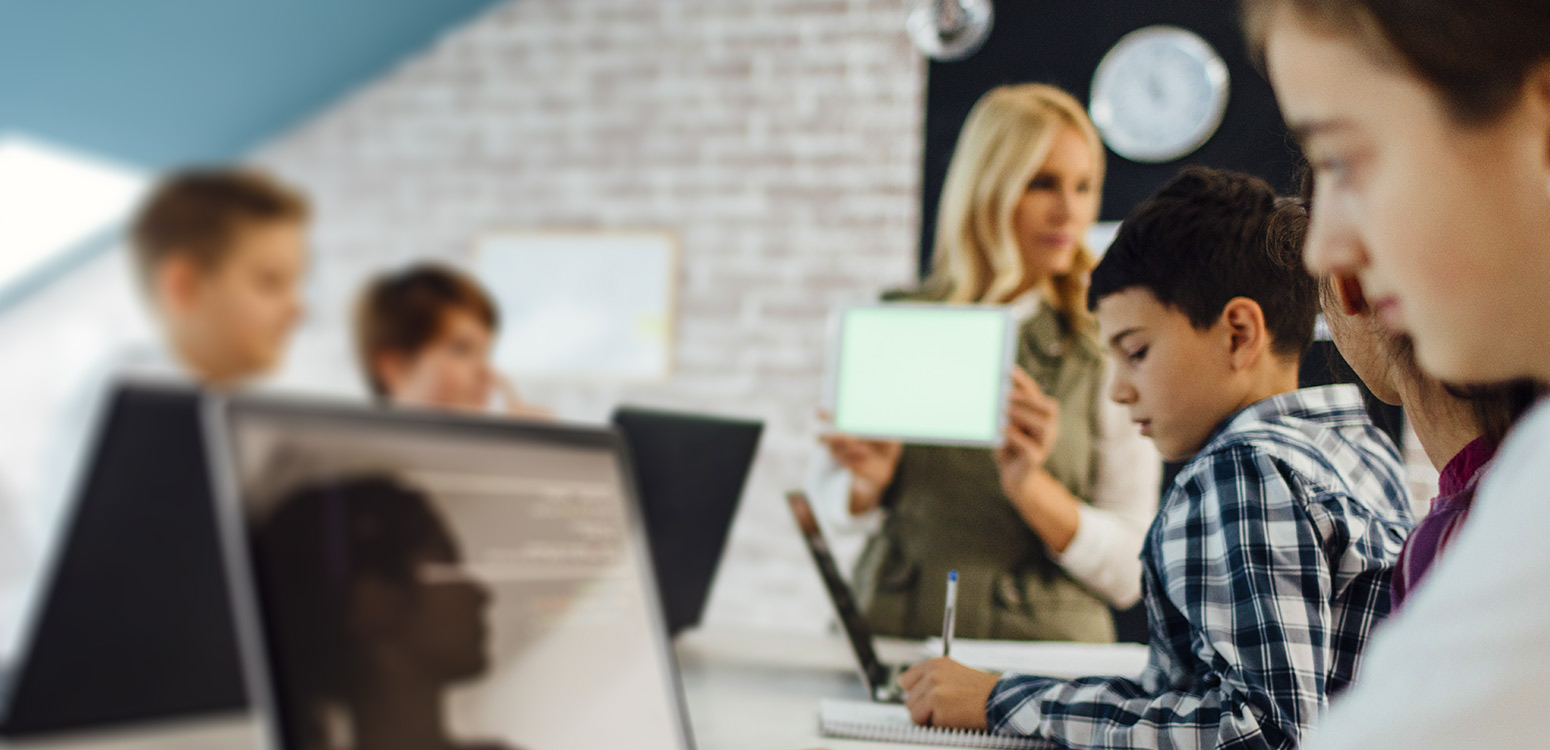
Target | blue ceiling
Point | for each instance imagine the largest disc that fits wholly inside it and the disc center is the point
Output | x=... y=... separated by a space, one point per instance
x=154 y=83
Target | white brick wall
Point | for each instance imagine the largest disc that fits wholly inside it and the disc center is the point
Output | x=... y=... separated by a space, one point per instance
x=780 y=138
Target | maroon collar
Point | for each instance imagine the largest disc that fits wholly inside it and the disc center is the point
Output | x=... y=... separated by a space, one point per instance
x=1463 y=467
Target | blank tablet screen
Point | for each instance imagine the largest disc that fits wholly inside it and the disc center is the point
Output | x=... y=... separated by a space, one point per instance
x=922 y=373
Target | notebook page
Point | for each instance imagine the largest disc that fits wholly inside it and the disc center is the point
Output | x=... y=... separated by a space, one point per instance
x=889 y=722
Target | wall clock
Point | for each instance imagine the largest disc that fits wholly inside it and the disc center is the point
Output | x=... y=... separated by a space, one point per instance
x=1159 y=94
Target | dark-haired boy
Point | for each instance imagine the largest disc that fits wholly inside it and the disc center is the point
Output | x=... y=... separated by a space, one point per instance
x=1269 y=560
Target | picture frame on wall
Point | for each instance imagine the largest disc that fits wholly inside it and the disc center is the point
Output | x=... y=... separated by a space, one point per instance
x=582 y=304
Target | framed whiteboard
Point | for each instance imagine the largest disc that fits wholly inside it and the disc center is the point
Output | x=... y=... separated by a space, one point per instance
x=579 y=304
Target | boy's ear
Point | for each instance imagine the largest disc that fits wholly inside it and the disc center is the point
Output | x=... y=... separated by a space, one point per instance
x=1245 y=321
x=389 y=369
x=175 y=284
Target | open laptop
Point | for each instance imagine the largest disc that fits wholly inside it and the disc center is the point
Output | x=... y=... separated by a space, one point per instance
x=882 y=680
x=691 y=470
x=441 y=580
x=132 y=622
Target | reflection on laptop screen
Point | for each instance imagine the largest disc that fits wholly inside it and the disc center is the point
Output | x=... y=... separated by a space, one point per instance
x=450 y=585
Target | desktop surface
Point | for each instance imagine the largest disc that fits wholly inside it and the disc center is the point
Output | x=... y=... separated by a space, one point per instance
x=747 y=689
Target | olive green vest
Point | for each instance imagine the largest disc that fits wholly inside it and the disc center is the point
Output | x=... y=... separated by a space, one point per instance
x=945 y=510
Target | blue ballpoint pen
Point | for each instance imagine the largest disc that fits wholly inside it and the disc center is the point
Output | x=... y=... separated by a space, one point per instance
x=949 y=613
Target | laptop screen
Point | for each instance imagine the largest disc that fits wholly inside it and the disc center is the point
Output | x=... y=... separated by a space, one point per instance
x=449 y=583
x=856 y=630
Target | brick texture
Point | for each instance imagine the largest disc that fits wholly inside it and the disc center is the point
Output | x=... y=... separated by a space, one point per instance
x=780 y=139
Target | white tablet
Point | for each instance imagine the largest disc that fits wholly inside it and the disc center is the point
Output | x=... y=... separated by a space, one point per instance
x=921 y=373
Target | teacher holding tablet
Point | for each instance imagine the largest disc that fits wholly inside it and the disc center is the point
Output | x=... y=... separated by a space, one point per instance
x=1046 y=530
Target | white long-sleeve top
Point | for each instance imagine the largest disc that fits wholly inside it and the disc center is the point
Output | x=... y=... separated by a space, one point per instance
x=1464 y=663
x=1105 y=554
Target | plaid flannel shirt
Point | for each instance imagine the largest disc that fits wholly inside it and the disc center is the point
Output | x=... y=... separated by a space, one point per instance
x=1265 y=570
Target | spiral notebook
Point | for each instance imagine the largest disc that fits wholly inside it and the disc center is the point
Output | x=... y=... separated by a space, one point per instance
x=890 y=722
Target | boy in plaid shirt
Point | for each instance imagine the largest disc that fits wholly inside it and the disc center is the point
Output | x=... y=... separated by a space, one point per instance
x=1269 y=561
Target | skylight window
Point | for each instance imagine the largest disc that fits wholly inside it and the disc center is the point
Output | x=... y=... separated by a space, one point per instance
x=53 y=199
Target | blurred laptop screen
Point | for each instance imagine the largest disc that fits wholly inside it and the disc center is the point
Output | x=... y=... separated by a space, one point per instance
x=460 y=583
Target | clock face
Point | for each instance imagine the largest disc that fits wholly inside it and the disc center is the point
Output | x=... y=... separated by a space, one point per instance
x=1159 y=94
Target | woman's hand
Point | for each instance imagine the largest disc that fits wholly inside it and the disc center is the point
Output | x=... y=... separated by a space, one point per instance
x=943 y=693
x=1033 y=425
x=871 y=464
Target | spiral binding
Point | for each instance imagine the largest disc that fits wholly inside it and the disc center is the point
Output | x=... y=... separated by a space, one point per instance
x=859 y=727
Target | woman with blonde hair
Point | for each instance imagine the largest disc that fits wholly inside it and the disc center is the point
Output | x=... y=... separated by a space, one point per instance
x=1045 y=532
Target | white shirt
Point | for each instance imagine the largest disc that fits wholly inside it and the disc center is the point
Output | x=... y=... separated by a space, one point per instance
x=1466 y=663
x=1105 y=554
x=73 y=432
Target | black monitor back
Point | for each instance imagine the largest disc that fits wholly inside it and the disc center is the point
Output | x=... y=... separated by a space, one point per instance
x=690 y=471
x=134 y=623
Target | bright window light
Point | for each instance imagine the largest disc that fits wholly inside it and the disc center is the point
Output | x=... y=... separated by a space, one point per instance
x=52 y=199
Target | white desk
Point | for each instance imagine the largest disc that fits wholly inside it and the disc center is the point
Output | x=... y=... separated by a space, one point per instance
x=746 y=690
x=751 y=690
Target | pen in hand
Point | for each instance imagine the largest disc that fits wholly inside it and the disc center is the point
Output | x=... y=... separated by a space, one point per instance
x=949 y=613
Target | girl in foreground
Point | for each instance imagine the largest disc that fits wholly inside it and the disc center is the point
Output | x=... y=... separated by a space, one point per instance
x=1427 y=123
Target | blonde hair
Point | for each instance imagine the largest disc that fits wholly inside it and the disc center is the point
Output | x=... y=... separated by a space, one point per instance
x=1003 y=144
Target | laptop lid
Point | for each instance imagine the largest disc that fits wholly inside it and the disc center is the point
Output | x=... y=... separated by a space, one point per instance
x=441 y=580
x=878 y=677
x=691 y=470
x=133 y=622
